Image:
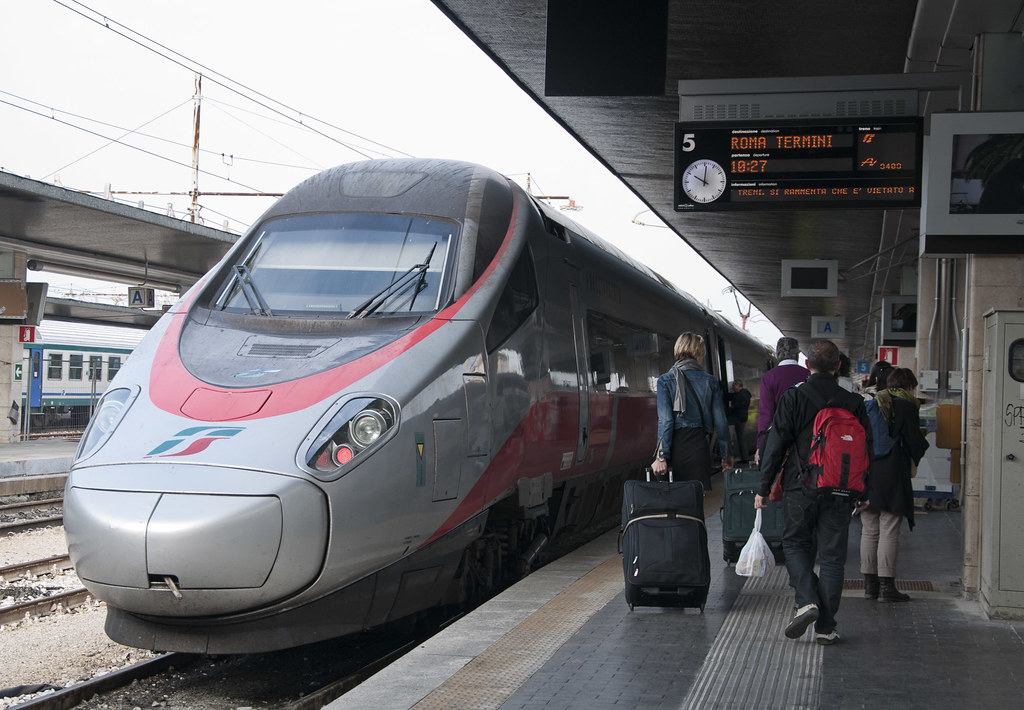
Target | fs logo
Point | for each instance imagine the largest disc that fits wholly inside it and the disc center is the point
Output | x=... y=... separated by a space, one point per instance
x=192 y=440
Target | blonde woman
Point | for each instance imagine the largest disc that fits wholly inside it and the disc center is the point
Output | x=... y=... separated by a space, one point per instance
x=690 y=410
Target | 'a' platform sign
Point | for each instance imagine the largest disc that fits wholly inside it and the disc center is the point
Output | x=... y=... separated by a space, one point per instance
x=141 y=297
x=828 y=327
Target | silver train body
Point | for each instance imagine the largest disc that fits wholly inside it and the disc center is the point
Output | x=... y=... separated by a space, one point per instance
x=403 y=381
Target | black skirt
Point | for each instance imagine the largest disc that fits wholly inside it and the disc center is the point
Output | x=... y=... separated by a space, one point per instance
x=691 y=456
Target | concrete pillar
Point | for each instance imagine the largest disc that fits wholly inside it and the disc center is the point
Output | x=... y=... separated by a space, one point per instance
x=10 y=391
x=12 y=266
x=995 y=284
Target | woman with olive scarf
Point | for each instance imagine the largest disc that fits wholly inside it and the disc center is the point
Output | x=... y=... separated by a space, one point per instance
x=890 y=493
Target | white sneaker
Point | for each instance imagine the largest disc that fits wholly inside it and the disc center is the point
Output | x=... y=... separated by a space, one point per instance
x=826 y=639
x=805 y=616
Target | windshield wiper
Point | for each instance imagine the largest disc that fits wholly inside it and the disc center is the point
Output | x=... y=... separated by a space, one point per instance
x=402 y=283
x=251 y=292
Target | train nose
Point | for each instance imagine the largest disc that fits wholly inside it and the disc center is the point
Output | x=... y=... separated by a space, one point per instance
x=211 y=550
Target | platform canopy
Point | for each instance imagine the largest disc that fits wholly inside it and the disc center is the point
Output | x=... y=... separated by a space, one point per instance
x=66 y=231
x=614 y=75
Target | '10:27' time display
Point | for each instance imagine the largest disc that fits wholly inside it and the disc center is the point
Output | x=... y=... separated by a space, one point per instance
x=793 y=164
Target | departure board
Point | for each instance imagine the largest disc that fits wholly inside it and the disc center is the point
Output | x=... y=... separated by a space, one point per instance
x=800 y=164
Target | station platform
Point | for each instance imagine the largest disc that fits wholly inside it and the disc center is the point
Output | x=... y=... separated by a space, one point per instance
x=564 y=637
x=36 y=465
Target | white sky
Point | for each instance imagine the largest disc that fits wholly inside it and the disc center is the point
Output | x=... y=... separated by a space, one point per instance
x=393 y=71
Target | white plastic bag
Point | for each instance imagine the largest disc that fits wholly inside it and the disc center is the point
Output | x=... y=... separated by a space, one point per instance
x=756 y=557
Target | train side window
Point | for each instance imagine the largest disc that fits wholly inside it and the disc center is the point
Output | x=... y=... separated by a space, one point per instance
x=554 y=229
x=517 y=301
x=113 y=366
x=95 y=367
x=74 y=367
x=55 y=366
x=623 y=357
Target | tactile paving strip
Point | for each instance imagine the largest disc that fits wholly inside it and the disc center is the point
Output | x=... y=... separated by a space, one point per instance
x=492 y=677
x=752 y=664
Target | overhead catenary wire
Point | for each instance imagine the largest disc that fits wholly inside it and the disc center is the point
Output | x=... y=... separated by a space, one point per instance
x=52 y=110
x=127 y=145
x=218 y=78
x=264 y=117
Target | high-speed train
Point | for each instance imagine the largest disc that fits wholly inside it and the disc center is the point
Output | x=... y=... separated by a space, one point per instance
x=393 y=390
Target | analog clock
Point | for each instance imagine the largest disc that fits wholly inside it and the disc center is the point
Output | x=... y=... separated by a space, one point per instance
x=704 y=181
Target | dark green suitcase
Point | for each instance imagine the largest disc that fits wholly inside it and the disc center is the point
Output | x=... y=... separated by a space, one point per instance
x=739 y=486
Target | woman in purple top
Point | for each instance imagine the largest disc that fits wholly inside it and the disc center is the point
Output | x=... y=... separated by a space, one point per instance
x=776 y=381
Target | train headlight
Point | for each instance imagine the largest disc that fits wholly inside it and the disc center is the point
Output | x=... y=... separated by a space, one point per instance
x=109 y=413
x=355 y=427
x=366 y=427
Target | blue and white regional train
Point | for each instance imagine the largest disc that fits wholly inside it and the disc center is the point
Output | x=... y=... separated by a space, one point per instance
x=393 y=390
x=68 y=368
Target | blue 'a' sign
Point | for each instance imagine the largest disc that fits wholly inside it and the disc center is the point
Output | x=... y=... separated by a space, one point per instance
x=141 y=297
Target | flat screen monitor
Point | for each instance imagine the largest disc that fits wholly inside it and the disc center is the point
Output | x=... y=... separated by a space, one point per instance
x=974 y=184
x=809 y=277
x=899 y=319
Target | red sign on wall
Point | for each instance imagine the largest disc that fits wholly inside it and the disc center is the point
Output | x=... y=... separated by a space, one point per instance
x=890 y=355
x=27 y=334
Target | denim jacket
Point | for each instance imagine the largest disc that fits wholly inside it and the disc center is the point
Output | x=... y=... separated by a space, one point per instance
x=706 y=387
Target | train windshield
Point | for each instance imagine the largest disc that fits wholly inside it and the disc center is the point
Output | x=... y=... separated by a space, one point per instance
x=350 y=265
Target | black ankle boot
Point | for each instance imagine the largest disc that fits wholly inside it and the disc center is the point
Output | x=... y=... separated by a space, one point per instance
x=887 y=591
x=871 y=586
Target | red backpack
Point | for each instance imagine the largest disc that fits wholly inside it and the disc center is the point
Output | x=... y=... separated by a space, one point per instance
x=838 y=460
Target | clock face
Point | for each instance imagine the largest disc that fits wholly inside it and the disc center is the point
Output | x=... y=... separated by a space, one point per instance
x=704 y=181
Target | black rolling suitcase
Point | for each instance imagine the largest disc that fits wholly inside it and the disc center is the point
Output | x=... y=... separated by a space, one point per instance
x=664 y=544
x=739 y=487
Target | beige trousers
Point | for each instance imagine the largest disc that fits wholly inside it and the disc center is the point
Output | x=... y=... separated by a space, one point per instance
x=879 y=542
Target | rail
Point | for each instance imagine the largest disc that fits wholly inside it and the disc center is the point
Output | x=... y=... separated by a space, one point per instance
x=46 y=565
x=67 y=600
x=71 y=697
x=23 y=525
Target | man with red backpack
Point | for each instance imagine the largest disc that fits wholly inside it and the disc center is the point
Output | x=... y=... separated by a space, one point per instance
x=820 y=439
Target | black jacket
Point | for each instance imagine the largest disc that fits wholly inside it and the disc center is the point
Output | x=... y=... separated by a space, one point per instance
x=739 y=406
x=890 y=488
x=789 y=439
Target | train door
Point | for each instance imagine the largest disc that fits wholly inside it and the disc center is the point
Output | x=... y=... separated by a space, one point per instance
x=582 y=374
x=725 y=370
x=35 y=378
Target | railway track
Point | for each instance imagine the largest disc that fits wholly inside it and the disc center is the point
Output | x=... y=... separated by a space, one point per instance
x=25 y=515
x=151 y=669
x=41 y=605
x=67 y=698
x=18 y=526
x=168 y=674
x=47 y=565
x=30 y=505
x=45 y=605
